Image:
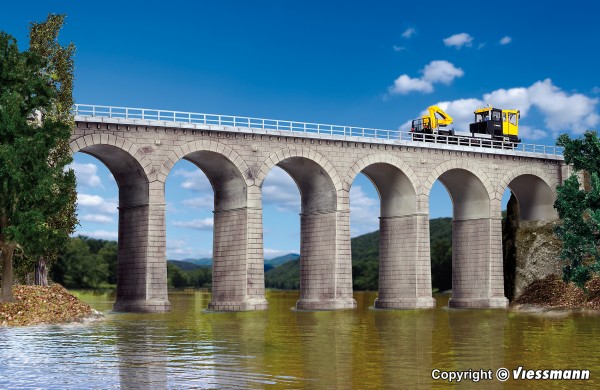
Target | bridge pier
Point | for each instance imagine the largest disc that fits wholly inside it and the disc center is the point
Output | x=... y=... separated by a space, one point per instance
x=477 y=272
x=238 y=262
x=404 y=265
x=142 y=269
x=325 y=262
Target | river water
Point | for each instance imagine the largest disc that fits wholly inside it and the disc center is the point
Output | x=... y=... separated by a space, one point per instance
x=284 y=348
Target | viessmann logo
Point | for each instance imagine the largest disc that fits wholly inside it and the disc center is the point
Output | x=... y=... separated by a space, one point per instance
x=503 y=374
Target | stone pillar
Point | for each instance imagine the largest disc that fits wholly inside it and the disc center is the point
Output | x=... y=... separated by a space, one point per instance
x=238 y=270
x=325 y=261
x=142 y=263
x=477 y=274
x=404 y=264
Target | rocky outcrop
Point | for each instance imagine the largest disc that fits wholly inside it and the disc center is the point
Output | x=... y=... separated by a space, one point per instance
x=537 y=253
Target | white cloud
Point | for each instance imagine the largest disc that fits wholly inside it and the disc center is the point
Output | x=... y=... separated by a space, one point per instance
x=97 y=218
x=560 y=110
x=179 y=252
x=405 y=84
x=510 y=98
x=575 y=112
x=97 y=203
x=197 y=224
x=441 y=72
x=202 y=202
x=398 y=48
x=173 y=244
x=363 y=212
x=280 y=189
x=409 y=32
x=86 y=174
x=505 y=40
x=531 y=133
x=459 y=40
x=481 y=45
x=194 y=180
x=99 y=234
x=596 y=90
x=178 y=249
x=438 y=71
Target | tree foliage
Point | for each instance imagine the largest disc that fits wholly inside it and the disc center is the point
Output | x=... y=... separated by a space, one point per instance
x=78 y=267
x=579 y=209
x=59 y=67
x=32 y=189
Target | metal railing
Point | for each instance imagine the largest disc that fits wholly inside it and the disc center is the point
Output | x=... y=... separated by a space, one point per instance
x=143 y=114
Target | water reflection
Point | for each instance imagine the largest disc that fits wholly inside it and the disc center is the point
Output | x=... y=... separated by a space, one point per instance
x=478 y=339
x=363 y=348
x=406 y=344
x=142 y=358
x=241 y=364
x=327 y=347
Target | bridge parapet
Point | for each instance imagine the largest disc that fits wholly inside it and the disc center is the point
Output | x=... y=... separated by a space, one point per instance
x=217 y=122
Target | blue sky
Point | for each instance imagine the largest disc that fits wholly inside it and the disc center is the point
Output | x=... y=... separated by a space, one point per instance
x=375 y=64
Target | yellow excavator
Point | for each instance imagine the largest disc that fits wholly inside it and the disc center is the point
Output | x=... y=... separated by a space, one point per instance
x=436 y=121
x=492 y=123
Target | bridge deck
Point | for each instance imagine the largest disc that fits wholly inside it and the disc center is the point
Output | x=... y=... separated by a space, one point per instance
x=214 y=122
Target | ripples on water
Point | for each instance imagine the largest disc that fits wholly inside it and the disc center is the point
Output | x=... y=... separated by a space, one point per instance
x=363 y=348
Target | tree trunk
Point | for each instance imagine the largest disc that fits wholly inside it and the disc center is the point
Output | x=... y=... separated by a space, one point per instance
x=41 y=273
x=7 y=273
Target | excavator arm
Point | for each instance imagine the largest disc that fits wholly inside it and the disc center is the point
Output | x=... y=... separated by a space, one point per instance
x=438 y=117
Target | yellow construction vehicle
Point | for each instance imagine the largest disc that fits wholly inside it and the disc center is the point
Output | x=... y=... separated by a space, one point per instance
x=499 y=124
x=436 y=121
x=490 y=123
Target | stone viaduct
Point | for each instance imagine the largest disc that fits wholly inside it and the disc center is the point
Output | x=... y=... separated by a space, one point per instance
x=140 y=147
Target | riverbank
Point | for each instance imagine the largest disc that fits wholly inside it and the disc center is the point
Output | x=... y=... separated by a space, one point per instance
x=553 y=293
x=44 y=305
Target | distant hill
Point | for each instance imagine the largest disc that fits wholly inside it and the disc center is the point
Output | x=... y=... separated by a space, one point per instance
x=202 y=261
x=184 y=265
x=277 y=261
x=284 y=277
x=365 y=261
x=269 y=263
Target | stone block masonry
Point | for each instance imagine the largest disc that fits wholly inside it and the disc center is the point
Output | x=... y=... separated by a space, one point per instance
x=140 y=154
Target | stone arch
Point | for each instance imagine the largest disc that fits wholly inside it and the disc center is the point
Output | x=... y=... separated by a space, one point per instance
x=208 y=146
x=534 y=190
x=141 y=261
x=394 y=180
x=128 y=164
x=238 y=269
x=469 y=187
x=317 y=179
x=325 y=266
x=457 y=164
x=303 y=152
x=477 y=279
x=403 y=281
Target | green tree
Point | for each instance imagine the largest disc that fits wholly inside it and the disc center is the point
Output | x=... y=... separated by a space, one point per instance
x=31 y=189
x=81 y=268
x=579 y=209
x=43 y=41
x=108 y=255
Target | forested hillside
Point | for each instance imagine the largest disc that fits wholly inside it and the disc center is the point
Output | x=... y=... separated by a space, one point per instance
x=365 y=261
x=91 y=263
